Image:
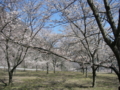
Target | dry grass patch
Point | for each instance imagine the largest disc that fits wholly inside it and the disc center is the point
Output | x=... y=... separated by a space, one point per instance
x=22 y=79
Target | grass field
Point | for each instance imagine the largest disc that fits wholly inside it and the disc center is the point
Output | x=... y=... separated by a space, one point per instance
x=32 y=80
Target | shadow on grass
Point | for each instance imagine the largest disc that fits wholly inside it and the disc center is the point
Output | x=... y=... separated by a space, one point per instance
x=107 y=81
x=74 y=85
x=1 y=86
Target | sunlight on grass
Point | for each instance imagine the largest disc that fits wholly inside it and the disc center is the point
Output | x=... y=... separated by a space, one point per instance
x=31 y=80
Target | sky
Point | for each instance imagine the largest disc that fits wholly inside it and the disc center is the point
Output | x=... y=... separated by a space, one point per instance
x=57 y=28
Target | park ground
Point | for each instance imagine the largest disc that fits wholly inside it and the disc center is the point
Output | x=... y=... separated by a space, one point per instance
x=32 y=80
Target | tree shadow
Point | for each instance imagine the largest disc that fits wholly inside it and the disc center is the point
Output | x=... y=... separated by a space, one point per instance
x=74 y=85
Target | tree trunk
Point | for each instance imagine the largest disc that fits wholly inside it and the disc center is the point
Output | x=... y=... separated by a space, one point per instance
x=54 y=69
x=24 y=66
x=47 y=71
x=94 y=76
x=83 y=70
x=61 y=66
x=47 y=68
x=119 y=81
x=86 y=73
x=10 y=77
x=117 y=54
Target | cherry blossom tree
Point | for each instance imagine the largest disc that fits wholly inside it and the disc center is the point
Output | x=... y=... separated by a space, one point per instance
x=21 y=20
x=108 y=8
x=103 y=12
x=12 y=56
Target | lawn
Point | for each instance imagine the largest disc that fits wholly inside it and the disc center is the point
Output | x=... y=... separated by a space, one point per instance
x=32 y=80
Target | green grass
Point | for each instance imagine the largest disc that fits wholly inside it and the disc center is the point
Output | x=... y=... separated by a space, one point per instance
x=32 y=80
